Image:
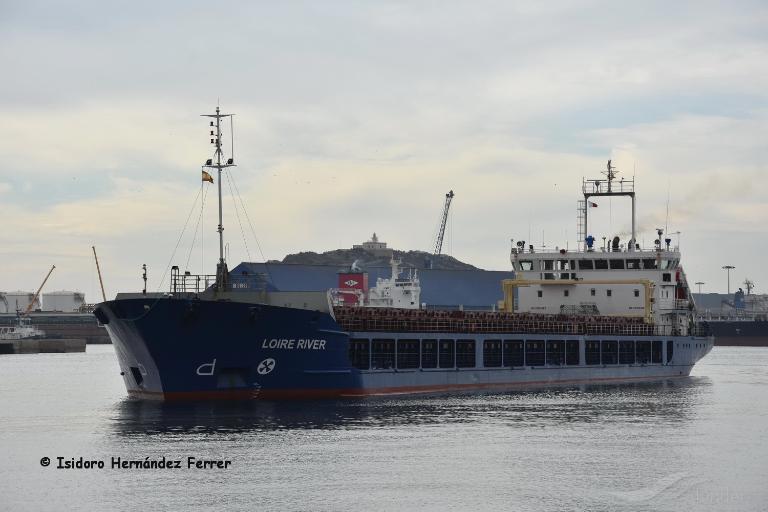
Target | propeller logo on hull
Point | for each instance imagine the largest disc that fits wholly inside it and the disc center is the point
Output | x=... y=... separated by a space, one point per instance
x=266 y=366
x=350 y=282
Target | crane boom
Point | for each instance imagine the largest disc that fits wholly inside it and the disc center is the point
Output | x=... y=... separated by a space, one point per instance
x=37 y=294
x=98 y=270
x=443 y=221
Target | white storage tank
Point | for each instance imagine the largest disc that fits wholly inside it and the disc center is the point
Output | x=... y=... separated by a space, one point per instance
x=64 y=301
x=10 y=302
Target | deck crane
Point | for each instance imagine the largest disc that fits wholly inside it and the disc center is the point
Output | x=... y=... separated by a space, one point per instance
x=32 y=302
x=443 y=221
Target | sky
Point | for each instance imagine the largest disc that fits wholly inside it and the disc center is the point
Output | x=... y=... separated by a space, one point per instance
x=355 y=117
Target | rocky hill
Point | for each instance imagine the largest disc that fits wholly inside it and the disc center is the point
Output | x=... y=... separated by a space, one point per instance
x=366 y=258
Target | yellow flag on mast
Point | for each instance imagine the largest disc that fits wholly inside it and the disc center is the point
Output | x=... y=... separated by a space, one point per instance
x=207 y=177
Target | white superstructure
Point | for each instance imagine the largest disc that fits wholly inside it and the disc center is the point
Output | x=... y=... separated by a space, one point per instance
x=616 y=279
x=23 y=329
x=396 y=292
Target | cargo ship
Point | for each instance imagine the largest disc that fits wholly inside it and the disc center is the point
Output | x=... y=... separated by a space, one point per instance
x=740 y=319
x=619 y=313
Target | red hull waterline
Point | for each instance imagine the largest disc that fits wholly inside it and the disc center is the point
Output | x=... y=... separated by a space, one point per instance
x=323 y=394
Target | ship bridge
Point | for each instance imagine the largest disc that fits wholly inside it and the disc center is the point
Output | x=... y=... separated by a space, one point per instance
x=620 y=279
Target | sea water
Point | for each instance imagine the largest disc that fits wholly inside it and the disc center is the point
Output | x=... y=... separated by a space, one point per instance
x=698 y=443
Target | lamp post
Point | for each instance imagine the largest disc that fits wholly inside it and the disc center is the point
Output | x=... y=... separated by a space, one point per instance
x=728 y=269
x=699 y=283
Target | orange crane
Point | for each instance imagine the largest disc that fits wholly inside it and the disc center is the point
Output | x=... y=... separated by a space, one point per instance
x=37 y=294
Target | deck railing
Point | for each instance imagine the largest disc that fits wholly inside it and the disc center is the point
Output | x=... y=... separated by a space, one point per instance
x=356 y=319
x=191 y=283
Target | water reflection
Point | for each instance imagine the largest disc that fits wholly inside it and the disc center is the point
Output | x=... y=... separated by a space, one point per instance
x=660 y=402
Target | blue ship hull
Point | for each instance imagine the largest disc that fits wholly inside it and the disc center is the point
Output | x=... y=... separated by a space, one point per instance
x=174 y=348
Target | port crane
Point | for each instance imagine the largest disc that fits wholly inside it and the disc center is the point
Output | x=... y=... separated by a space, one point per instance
x=443 y=221
x=37 y=294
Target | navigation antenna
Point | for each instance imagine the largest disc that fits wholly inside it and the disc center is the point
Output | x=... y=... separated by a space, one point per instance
x=610 y=174
x=222 y=274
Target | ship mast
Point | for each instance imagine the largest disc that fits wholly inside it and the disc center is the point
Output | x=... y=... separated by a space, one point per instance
x=222 y=274
x=607 y=187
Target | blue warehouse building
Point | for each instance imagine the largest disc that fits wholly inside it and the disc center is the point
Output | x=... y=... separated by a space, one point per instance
x=445 y=289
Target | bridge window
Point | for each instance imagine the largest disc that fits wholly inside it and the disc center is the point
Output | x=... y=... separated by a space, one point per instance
x=670 y=351
x=601 y=264
x=514 y=355
x=540 y=293
x=359 y=354
x=586 y=265
x=465 y=353
x=637 y=293
x=592 y=352
x=555 y=352
x=407 y=354
x=626 y=352
x=383 y=354
x=608 y=293
x=643 y=352
x=610 y=352
x=650 y=264
x=666 y=277
x=572 y=352
x=526 y=265
x=429 y=353
x=446 y=355
x=656 y=352
x=547 y=265
x=633 y=264
x=492 y=353
x=665 y=264
x=534 y=352
x=617 y=264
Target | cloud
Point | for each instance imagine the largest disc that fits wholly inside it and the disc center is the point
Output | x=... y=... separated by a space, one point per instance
x=353 y=118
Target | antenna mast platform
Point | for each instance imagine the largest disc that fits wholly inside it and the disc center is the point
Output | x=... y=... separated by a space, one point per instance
x=219 y=162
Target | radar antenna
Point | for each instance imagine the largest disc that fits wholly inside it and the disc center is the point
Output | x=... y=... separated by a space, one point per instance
x=218 y=162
